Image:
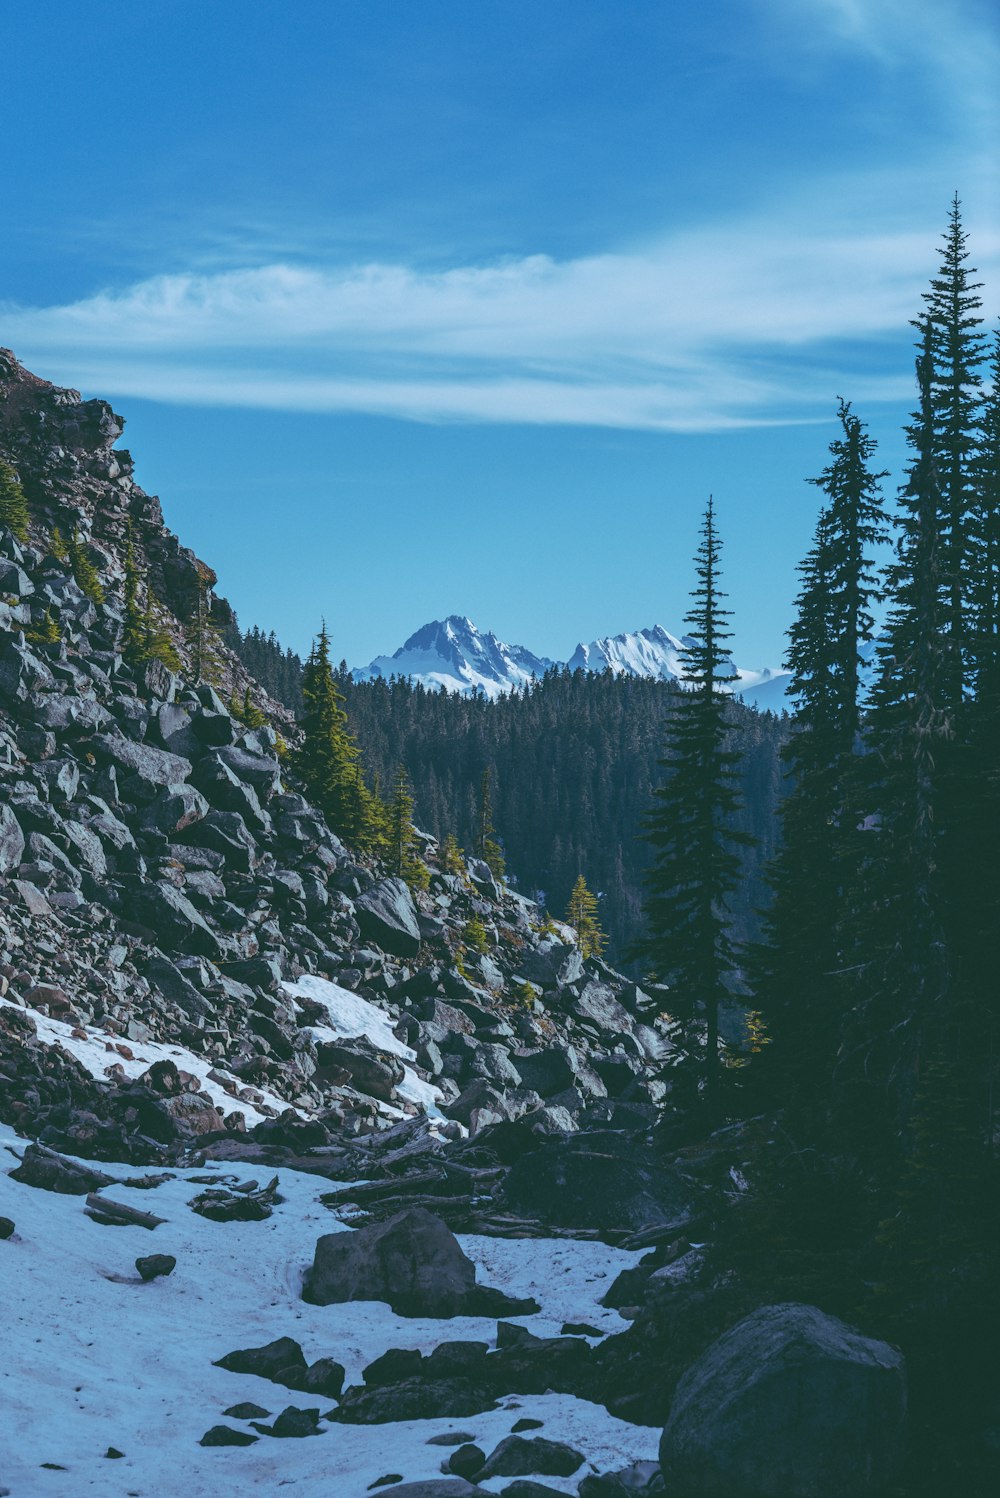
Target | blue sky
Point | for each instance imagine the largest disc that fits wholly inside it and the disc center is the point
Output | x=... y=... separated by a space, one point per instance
x=416 y=309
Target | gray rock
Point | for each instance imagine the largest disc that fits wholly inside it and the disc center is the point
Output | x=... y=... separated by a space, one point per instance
x=224 y=1435
x=387 y=916
x=175 y=807
x=789 y=1403
x=283 y=1355
x=555 y=1069
x=172 y=916
x=225 y=832
x=152 y=767
x=21 y=671
x=261 y=771
x=516 y=1456
x=413 y=1262
x=552 y=963
x=596 y=1181
x=373 y=1072
x=40 y=1167
x=153 y=1266
x=11 y=841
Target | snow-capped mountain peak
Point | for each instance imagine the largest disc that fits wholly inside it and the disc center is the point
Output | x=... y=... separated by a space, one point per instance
x=452 y=653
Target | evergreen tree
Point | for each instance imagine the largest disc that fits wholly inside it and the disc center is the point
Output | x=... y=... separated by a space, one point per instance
x=403 y=857
x=157 y=643
x=956 y=350
x=57 y=545
x=202 y=635
x=900 y=895
x=135 y=634
x=452 y=857
x=797 y=971
x=83 y=568
x=690 y=828
x=487 y=846
x=581 y=913
x=14 y=515
x=45 y=633
x=329 y=758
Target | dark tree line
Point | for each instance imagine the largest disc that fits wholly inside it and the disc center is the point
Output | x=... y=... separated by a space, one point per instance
x=573 y=762
x=876 y=1179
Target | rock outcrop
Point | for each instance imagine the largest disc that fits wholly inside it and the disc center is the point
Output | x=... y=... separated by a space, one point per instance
x=789 y=1403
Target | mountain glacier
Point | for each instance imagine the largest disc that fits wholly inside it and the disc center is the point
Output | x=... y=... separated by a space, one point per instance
x=453 y=654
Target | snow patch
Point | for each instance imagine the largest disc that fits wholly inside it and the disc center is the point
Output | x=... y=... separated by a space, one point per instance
x=93 y=1358
x=97 y=1051
x=351 y=1016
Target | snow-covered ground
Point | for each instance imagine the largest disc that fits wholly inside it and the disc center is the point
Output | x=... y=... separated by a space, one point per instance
x=92 y=1358
x=349 y=1016
x=97 y=1051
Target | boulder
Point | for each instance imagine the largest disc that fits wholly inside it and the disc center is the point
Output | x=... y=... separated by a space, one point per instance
x=372 y=1071
x=413 y=1261
x=174 y=919
x=596 y=1181
x=413 y=1399
x=516 y=1456
x=11 y=841
x=281 y=1356
x=151 y=767
x=387 y=916
x=153 y=1266
x=789 y=1403
x=224 y=1435
x=175 y=807
x=557 y=1068
x=41 y=1167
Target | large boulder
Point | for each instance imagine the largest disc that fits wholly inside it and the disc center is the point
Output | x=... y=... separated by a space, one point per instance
x=11 y=841
x=413 y=1262
x=172 y=916
x=596 y=1180
x=151 y=768
x=789 y=1403
x=387 y=916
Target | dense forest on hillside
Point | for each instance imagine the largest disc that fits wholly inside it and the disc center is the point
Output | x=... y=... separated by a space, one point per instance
x=574 y=759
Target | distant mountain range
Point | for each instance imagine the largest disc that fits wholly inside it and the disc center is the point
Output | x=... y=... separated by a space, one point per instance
x=452 y=653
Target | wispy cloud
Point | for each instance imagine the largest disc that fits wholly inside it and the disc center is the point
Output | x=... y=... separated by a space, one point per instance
x=738 y=323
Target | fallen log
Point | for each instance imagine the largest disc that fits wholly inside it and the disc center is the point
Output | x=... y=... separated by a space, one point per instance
x=116 y=1214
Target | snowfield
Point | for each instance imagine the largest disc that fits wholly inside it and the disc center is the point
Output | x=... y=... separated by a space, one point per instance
x=93 y=1358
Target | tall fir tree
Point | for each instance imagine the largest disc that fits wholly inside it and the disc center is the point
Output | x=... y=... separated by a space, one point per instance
x=328 y=759
x=487 y=844
x=201 y=634
x=134 y=634
x=957 y=345
x=690 y=828
x=402 y=854
x=14 y=515
x=83 y=568
x=800 y=989
x=901 y=920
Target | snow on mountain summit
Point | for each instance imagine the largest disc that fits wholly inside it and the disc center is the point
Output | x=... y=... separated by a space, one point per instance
x=452 y=653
